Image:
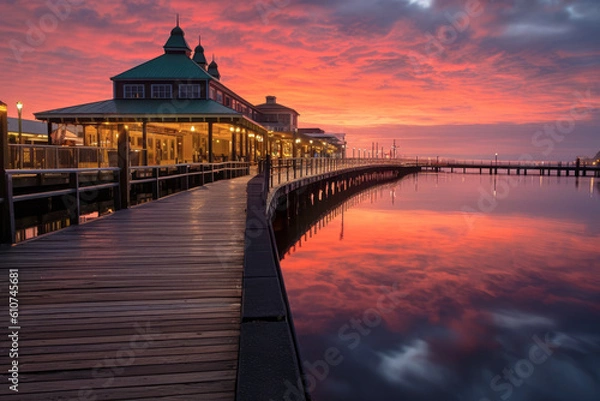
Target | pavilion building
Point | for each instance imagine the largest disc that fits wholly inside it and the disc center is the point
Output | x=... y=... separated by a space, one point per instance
x=171 y=109
x=282 y=124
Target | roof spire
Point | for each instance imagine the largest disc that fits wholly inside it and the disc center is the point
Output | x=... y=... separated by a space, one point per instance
x=176 y=43
x=199 y=54
x=213 y=68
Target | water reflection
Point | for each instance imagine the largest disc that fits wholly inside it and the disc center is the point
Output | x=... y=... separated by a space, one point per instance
x=426 y=301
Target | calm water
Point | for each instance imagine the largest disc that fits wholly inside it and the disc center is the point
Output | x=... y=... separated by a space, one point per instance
x=453 y=287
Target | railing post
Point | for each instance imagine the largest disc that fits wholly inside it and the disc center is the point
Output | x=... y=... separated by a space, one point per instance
x=4 y=212
x=186 y=171
x=267 y=175
x=294 y=167
x=10 y=206
x=76 y=211
x=279 y=171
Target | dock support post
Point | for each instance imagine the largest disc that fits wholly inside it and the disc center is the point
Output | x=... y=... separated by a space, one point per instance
x=123 y=159
x=577 y=166
x=4 y=206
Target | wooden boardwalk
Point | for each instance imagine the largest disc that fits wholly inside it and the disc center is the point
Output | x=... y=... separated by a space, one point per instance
x=140 y=305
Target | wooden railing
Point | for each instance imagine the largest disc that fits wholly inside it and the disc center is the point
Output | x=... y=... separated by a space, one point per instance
x=44 y=200
x=153 y=182
x=62 y=189
x=35 y=156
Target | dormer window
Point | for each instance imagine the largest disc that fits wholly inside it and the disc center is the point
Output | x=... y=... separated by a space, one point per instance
x=133 y=91
x=162 y=91
x=189 y=91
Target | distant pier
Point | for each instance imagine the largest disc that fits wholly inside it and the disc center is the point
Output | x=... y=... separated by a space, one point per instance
x=519 y=168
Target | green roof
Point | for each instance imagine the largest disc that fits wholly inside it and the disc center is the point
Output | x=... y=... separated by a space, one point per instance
x=148 y=110
x=166 y=66
x=139 y=107
x=176 y=42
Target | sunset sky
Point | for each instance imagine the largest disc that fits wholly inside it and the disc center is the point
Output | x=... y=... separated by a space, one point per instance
x=455 y=78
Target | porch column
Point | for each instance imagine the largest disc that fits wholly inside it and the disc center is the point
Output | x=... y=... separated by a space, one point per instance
x=210 y=142
x=144 y=144
x=233 y=146
x=49 y=131
x=5 y=231
x=247 y=146
x=123 y=160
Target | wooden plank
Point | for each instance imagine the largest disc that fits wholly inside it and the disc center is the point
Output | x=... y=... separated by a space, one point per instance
x=154 y=290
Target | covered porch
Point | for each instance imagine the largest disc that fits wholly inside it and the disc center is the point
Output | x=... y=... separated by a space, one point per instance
x=195 y=132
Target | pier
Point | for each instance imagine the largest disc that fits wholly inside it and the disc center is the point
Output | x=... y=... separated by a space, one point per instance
x=165 y=299
x=576 y=169
x=142 y=304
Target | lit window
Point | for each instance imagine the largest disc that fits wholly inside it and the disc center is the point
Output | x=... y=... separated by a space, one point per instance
x=162 y=91
x=189 y=91
x=131 y=91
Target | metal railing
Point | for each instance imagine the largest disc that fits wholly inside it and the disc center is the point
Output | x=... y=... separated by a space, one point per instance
x=531 y=164
x=153 y=182
x=45 y=200
x=285 y=170
x=67 y=185
x=33 y=156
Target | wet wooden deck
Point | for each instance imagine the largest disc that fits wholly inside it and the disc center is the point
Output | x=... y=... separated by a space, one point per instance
x=143 y=304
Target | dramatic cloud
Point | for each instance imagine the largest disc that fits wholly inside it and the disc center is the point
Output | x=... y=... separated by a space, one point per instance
x=369 y=68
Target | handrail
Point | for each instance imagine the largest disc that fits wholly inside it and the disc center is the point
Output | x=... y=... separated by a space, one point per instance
x=74 y=186
x=284 y=170
x=60 y=170
x=73 y=182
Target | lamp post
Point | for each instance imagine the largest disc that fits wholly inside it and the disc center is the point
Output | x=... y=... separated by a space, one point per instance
x=20 y=111
x=496 y=169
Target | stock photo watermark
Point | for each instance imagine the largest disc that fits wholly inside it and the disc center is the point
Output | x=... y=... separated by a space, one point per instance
x=514 y=376
x=447 y=34
x=268 y=8
x=37 y=31
x=545 y=140
x=351 y=334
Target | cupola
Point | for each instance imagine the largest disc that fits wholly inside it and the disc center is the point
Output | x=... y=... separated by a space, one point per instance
x=199 y=57
x=213 y=69
x=176 y=43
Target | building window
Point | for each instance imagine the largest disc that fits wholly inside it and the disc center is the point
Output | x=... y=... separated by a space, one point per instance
x=131 y=91
x=189 y=91
x=213 y=93
x=162 y=91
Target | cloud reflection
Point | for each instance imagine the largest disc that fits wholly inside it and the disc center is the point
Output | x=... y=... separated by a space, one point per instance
x=408 y=364
x=470 y=300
